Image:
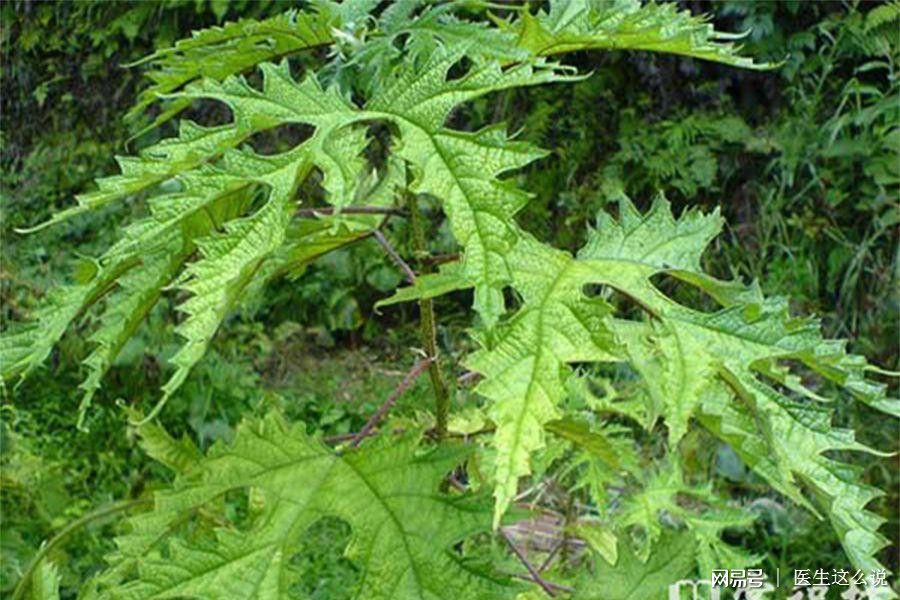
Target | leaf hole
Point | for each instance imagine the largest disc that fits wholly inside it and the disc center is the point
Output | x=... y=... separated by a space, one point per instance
x=796 y=373
x=254 y=79
x=209 y=113
x=625 y=306
x=459 y=69
x=324 y=570
x=399 y=41
x=684 y=293
x=511 y=299
x=280 y=139
x=379 y=149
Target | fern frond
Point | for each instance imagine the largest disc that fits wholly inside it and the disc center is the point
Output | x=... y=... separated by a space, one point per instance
x=404 y=529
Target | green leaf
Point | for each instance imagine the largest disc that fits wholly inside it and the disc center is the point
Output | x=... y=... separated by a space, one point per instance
x=449 y=278
x=27 y=346
x=582 y=436
x=630 y=578
x=126 y=308
x=601 y=540
x=219 y=52
x=45 y=582
x=729 y=361
x=216 y=281
x=208 y=186
x=683 y=356
x=194 y=146
x=462 y=169
x=783 y=440
x=525 y=371
x=409 y=31
x=404 y=529
x=180 y=455
x=655 y=239
x=666 y=497
x=626 y=25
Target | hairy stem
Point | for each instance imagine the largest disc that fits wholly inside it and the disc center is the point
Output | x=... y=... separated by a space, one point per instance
x=428 y=329
x=66 y=531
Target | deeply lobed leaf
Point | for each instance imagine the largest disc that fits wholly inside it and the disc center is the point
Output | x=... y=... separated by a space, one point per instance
x=404 y=529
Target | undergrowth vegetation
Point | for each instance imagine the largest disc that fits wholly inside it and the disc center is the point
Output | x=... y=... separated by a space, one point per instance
x=446 y=300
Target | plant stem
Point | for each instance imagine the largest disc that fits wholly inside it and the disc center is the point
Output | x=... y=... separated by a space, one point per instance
x=535 y=576
x=427 y=329
x=65 y=532
x=391 y=400
x=395 y=256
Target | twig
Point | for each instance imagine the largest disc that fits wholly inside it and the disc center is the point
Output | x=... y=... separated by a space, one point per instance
x=407 y=270
x=343 y=437
x=551 y=555
x=340 y=437
x=535 y=576
x=556 y=586
x=350 y=210
x=456 y=483
x=417 y=370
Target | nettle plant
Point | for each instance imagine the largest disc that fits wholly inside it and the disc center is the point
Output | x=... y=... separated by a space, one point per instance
x=224 y=220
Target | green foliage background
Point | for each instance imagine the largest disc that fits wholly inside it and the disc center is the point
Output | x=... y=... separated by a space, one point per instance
x=802 y=161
